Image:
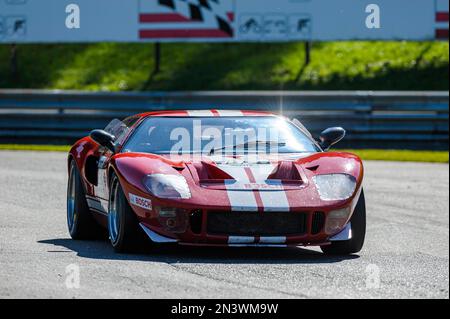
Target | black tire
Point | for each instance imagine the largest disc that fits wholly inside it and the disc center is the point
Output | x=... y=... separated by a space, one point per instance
x=128 y=236
x=80 y=222
x=355 y=244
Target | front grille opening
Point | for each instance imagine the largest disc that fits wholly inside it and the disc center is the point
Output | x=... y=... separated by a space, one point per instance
x=256 y=224
x=318 y=221
x=195 y=220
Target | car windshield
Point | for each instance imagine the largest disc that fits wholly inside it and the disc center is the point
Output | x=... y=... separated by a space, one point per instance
x=218 y=135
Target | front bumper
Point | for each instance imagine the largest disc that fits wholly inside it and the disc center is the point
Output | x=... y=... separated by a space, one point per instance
x=199 y=232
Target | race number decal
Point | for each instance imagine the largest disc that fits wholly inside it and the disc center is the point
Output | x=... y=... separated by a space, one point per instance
x=140 y=202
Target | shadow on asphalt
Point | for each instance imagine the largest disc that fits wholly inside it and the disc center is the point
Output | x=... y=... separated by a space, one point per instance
x=186 y=254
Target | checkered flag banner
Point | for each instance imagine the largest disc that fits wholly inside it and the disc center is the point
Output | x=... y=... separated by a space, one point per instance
x=172 y=19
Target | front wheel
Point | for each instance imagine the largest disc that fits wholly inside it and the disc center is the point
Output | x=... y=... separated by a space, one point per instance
x=125 y=233
x=358 y=223
x=80 y=222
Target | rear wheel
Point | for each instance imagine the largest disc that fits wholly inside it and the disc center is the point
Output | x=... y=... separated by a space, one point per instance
x=80 y=222
x=358 y=223
x=125 y=233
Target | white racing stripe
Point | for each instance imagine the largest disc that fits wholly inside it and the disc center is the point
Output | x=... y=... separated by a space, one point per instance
x=240 y=200
x=200 y=113
x=261 y=172
x=241 y=240
x=272 y=240
x=229 y=113
x=274 y=200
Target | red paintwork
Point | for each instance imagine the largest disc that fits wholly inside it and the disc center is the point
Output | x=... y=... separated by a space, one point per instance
x=296 y=174
x=178 y=113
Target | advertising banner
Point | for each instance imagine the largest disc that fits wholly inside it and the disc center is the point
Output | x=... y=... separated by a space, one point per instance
x=49 y=21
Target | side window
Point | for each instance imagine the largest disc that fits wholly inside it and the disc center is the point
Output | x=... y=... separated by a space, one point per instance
x=130 y=121
x=120 y=129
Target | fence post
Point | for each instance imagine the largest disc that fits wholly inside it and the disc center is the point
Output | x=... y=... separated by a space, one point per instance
x=157 y=67
x=14 y=69
x=308 y=47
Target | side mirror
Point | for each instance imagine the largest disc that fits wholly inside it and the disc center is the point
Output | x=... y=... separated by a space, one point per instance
x=104 y=139
x=331 y=136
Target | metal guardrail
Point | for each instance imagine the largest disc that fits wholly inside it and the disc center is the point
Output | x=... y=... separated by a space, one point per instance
x=417 y=120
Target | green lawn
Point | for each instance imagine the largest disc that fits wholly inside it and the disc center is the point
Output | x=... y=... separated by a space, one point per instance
x=374 y=155
x=403 y=155
x=335 y=66
x=38 y=148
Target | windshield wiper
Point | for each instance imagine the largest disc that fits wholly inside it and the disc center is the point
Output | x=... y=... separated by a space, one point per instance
x=247 y=144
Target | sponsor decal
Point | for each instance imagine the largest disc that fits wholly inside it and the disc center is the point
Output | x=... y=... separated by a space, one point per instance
x=80 y=149
x=275 y=26
x=232 y=185
x=261 y=186
x=140 y=202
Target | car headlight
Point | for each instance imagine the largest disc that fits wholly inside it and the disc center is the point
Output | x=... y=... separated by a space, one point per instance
x=167 y=186
x=335 y=186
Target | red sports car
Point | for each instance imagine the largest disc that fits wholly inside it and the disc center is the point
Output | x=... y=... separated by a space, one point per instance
x=215 y=178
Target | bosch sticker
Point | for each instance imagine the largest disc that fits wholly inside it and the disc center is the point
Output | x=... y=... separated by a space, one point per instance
x=140 y=202
x=261 y=186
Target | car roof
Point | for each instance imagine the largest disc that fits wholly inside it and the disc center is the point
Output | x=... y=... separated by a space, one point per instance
x=207 y=113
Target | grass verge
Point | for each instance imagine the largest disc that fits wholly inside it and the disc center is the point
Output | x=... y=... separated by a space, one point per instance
x=368 y=155
x=403 y=155
x=38 y=148
x=358 y=65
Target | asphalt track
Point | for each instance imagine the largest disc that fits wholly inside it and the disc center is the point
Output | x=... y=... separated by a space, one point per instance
x=406 y=253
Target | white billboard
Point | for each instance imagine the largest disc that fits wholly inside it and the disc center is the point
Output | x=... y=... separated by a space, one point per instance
x=40 y=21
